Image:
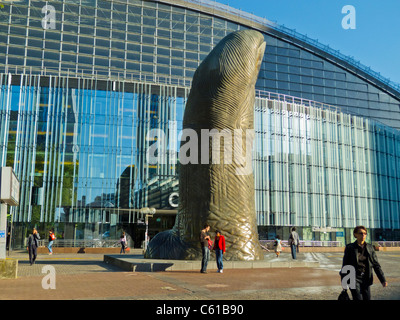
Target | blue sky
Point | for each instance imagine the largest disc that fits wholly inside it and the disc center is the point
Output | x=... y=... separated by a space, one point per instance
x=375 y=41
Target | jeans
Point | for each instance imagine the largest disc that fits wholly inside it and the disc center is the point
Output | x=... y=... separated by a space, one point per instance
x=50 y=246
x=361 y=292
x=293 y=248
x=123 y=246
x=219 y=255
x=206 y=257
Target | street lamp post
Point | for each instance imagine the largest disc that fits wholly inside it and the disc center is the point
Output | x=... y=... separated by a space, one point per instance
x=148 y=212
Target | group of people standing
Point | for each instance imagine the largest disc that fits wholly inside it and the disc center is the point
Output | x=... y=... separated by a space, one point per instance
x=293 y=243
x=206 y=245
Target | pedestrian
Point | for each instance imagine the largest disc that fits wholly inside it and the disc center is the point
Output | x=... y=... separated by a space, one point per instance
x=205 y=250
x=52 y=237
x=219 y=247
x=293 y=242
x=33 y=244
x=361 y=255
x=122 y=240
x=278 y=246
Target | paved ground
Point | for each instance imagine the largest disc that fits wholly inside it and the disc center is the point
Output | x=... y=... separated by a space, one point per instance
x=88 y=277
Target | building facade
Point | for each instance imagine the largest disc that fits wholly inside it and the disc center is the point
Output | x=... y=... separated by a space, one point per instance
x=83 y=82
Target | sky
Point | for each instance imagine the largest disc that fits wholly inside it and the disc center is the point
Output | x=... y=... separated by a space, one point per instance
x=373 y=39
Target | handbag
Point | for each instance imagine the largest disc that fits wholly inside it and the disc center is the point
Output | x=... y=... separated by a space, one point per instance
x=210 y=244
x=344 y=295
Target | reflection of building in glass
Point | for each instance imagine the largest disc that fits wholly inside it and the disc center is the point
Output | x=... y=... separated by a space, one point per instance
x=160 y=193
x=83 y=82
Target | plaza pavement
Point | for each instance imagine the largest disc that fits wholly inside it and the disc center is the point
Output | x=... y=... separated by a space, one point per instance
x=89 y=277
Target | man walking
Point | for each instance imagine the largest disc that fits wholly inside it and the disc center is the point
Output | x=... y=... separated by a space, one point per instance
x=33 y=244
x=293 y=242
x=204 y=238
x=362 y=257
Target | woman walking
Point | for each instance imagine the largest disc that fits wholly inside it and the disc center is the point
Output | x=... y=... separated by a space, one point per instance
x=278 y=246
x=122 y=240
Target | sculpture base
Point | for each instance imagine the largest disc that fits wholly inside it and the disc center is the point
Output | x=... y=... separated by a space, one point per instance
x=168 y=245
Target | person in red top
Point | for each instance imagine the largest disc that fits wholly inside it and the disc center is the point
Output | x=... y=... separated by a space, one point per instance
x=219 y=247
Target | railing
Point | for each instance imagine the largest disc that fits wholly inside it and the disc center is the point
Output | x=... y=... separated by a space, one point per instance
x=98 y=243
x=387 y=243
x=111 y=75
x=94 y=243
x=302 y=101
x=303 y=243
x=157 y=79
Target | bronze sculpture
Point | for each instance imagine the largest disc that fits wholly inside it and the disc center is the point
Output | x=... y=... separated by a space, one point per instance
x=213 y=191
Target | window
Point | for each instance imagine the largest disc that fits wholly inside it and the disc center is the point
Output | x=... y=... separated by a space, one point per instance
x=34 y=53
x=163 y=33
x=20 y=51
x=101 y=62
x=51 y=55
x=19 y=61
x=17 y=40
x=117 y=54
x=306 y=63
x=85 y=49
x=84 y=59
x=147 y=58
x=148 y=40
x=177 y=62
x=52 y=45
x=29 y=62
x=163 y=60
x=68 y=57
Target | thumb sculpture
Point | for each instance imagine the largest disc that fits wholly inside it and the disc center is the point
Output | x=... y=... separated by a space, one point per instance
x=216 y=182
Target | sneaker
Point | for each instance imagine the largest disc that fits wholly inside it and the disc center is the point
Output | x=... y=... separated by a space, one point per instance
x=221 y=271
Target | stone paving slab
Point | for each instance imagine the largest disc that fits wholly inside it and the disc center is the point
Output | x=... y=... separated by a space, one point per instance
x=89 y=277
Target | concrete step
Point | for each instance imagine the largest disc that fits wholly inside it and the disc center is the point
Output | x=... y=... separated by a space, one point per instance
x=137 y=263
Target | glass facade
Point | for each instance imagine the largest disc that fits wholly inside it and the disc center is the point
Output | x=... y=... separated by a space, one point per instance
x=79 y=147
x=322 y=167
x=164 y=41
x=83 y=82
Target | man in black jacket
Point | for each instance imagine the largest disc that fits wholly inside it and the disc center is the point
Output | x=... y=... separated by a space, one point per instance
x=362 y=257
x=32 y=245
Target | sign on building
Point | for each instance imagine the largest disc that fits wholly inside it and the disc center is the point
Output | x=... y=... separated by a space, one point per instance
x=9 y=187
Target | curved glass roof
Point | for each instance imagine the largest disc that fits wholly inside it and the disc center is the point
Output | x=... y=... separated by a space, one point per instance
x=251 y=20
